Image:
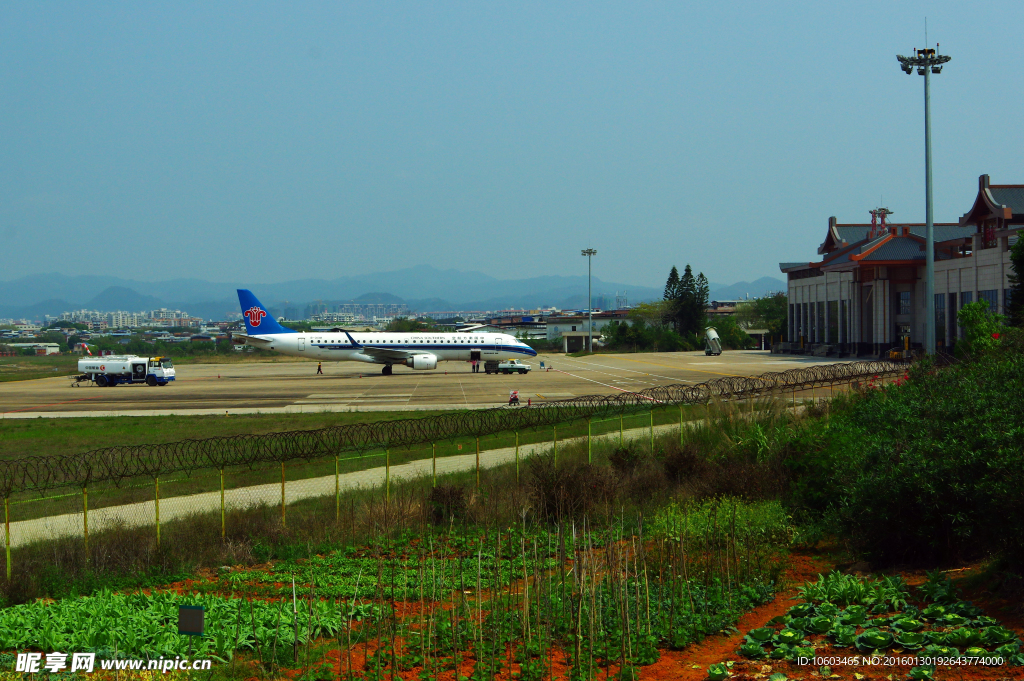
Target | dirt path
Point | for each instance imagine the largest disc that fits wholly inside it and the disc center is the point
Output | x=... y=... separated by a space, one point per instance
x=144 y=513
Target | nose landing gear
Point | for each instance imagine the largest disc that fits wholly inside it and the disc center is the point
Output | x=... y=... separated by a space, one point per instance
x=386 y=371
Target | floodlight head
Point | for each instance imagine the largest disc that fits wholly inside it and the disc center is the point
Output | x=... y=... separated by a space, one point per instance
x=920 y=70
x=936 y=69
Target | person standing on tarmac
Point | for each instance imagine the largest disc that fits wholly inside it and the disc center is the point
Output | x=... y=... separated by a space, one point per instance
x=319 y=368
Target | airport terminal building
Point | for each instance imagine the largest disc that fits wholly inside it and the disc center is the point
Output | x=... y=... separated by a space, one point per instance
x=866 y=293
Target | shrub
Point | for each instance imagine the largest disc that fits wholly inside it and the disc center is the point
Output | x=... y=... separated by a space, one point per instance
x=447 y=502
x=568 y=488
x=926 y=471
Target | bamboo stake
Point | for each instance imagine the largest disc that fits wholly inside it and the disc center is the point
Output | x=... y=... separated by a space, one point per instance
x=517 y=457
x=223 y=523
x=7 y=534
x=85 y=519
x=282 y=495
x=433 y=458
x=620 y=430
x=478 y=462
x=387 y=476
x=652 y=432
x=554 y=436
x=589 y=449
x=156 y=504
x=337 y=493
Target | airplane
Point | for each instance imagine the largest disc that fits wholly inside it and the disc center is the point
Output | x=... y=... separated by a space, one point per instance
x=419 y=350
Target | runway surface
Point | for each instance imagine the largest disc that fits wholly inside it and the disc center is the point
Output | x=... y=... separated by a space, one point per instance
x=348 y=386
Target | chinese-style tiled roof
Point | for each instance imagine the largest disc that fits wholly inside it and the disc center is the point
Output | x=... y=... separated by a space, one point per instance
x=943 y=232
x=897 y=248
x=1009 y=195
x=787 y=266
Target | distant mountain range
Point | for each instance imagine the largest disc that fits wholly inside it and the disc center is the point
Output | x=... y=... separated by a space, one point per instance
x=422 y=288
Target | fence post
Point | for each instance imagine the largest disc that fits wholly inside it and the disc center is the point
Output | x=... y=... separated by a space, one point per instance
x=478 y=462
x=433 y=459
x=337 y=492
x=223 y=518
x=554 y=438
x=620 y=431
x=282 y=496
x=156 y=505
x=85 y=520
x=7 y=534
x=517 y=457
x=387 y=475
x=589 y=448
x=680 y=424
x=652 y=432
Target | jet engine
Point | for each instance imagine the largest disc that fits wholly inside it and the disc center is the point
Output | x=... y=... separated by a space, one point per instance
x=426 y=361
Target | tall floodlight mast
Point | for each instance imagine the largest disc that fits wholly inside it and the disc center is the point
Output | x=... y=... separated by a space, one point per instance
x=589 y=253
x=927 y=62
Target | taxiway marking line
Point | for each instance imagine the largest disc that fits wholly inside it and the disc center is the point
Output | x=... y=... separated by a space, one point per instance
x=613 y=387
x=52 y=404
x=703 y=371
x=671 y=378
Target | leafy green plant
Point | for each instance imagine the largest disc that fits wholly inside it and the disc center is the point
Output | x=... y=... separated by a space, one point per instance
x=788 y=637
x=907 y=624
x=910 y=640
x=718 y=672
x=922 y=673
x=873 y=639
x=818 y=625
x=996 y=636
x=759 y=636
x=963 y=637
x=938 y=588
x=753 y=651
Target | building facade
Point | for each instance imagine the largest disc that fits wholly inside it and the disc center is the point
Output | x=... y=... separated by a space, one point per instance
x=866 y=294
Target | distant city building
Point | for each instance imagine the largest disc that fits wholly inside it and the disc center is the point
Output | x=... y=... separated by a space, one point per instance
x=120 y=319
x=334 y=317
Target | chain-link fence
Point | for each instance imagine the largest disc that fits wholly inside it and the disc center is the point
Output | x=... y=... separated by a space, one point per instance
x=147 y=485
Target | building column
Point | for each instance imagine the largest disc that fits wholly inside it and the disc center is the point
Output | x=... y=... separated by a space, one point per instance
x=565 y=344
x=825 y=335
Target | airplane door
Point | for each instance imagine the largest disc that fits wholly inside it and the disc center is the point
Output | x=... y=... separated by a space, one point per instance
x=302 y=344
x=474 y=355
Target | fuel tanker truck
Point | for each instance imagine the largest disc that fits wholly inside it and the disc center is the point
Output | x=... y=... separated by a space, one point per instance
x=113 y=370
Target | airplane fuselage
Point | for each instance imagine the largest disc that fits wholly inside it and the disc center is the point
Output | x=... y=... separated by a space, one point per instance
x=387 y=348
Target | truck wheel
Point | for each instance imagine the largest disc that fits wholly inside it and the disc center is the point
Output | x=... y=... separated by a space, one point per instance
x=150 y=381
x=102 y=381
x=522 y=371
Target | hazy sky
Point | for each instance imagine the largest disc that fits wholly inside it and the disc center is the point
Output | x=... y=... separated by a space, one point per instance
x=267 y=142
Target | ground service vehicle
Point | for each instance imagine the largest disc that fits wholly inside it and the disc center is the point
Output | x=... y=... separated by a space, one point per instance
x=513 y=366
x=712 y=344
x=115 y=369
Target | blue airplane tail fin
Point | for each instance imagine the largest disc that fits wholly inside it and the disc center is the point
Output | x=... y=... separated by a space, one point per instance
x=258 y=319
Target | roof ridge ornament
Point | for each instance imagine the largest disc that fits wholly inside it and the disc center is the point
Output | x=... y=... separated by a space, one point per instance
x=878 y=216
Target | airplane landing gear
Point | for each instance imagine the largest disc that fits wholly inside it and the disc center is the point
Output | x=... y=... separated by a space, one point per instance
x=386 y=370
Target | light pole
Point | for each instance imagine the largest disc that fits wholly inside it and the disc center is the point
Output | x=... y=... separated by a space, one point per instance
x=927 y=62
x=590 y=253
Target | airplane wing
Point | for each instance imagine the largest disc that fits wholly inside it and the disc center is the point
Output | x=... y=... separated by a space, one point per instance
x=250 y=339
x=387 y=354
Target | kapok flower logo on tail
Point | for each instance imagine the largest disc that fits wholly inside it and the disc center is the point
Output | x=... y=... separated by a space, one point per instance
x=255 y=315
